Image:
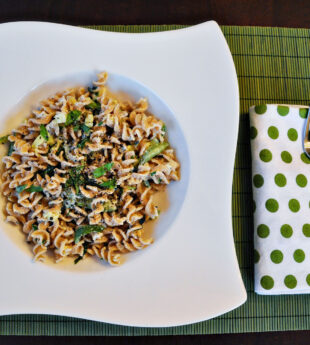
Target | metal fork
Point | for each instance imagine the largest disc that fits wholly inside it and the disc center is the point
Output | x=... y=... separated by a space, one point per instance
x=306 y=142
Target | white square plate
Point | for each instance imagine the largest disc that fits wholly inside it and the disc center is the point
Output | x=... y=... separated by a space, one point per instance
x=191 y=272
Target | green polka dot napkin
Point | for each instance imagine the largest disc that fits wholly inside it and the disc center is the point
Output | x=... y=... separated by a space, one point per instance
x=281 y=181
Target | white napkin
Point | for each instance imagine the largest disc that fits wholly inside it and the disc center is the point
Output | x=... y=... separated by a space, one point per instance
x=281 y=191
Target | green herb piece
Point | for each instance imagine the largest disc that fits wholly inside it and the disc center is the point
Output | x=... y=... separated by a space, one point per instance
x=85 y=128
x=153 y=173
x=76 y=178
x=85 y=230
x=34 y=227
x=44 y=132
x=119 y=192
x=93 y=106
x=160 y=180
x=109 y=207
x=164 y=128
x=103 y=169
x=93 y=90
x=146 y=183
x=154 y=150
x=109 y=184
x=100 y=123
x=79 y=258
x=69 y=199
x=33 y=188
x=142 y=220
x=43 y=242
x=109 y=130
x=44 y=136
x=76 y=128
x=4 y=139
x=49 y=171
x=11 y=148
x=20 y=188
x=84 y=202
x=72 y=116
x=77 y=170
x=132 y=157
x=85 y=245
x=82 y=143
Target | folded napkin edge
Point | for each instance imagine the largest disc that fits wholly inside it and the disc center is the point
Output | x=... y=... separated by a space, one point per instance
x=252 y=107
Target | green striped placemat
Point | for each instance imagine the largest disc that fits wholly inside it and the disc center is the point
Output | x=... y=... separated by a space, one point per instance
x=273 y=66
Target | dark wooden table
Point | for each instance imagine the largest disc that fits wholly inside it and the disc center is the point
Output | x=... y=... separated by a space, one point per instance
x=285 y=13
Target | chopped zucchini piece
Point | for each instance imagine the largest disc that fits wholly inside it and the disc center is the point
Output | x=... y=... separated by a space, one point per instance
x=154 y=150
x=85 y=230
x=89 y=120
x=60 y=117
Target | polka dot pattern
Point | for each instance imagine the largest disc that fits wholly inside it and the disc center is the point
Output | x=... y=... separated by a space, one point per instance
x=276 y=256
x=286 y=231
x=286 y=157
x=265 y=155
x=303 y=112
x=280 y=177
x=306 y=230
x=294 y=205
x=283 y=110
x=272 y=205
x=273 y=132
x=305 y=158
x=290 y=281
x=253 y=132
x=308 y=279
x=263 y=231
x=256 y=256
x=258 y=180
x=292 y=134
x=301 y=180
x=261 y=109
x=299 y=255
x=280 y=180
x=267 y=282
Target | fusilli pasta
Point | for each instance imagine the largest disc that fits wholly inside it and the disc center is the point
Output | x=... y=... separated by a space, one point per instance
x=81 y=172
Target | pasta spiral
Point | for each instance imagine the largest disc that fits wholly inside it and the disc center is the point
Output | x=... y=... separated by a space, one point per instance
x=81 y=173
